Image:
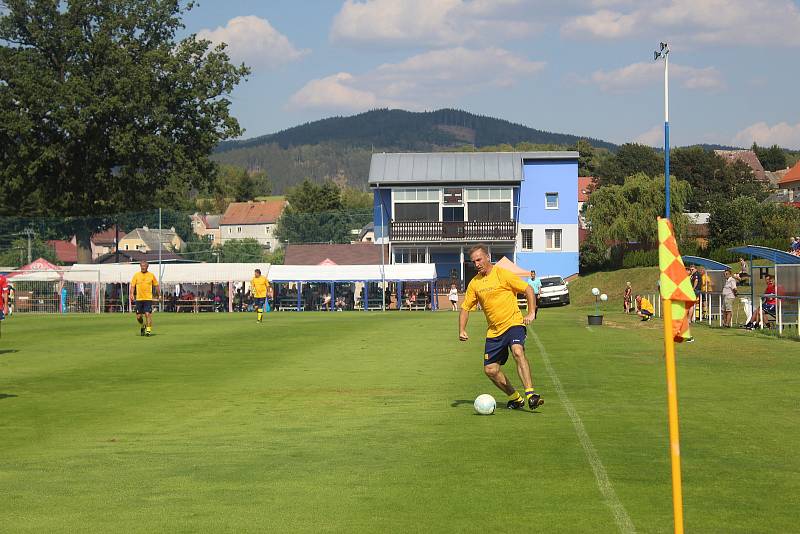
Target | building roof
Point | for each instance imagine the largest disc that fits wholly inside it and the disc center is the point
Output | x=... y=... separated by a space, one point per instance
x=211 y=222
x=150 y=237
x=454 y=167
x=66 y=251
x=792 y=175
x=340 y=254
x=267 y=212
x=748 y=157
x=107 y=236
x=585 y=186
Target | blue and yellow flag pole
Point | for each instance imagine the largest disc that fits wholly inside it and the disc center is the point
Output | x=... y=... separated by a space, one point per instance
x=669 y=341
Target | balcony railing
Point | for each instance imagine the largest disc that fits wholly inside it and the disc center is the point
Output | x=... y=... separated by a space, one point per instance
x=453 y=231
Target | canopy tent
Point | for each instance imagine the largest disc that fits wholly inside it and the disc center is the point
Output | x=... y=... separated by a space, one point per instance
x=174 y=273
x=704 y=262
x=37 y=270
x=330 y=275
x=400 y=272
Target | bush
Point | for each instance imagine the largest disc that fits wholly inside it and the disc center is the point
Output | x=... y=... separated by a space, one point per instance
x=640 y=258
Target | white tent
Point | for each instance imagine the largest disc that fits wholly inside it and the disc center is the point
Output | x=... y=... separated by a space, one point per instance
x=353 y=273
x=173 y=273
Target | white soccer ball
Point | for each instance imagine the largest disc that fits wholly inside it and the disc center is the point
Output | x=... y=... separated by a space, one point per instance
x=595 y=291
x=604 y=297
x=485 y=404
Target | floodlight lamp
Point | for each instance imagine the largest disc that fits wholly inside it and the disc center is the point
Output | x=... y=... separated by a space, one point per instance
x=656 y=55
x=663 y=46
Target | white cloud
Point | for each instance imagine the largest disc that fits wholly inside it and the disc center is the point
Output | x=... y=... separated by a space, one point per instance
x=603 y=24
x=737 y=22
x=254 y=41
x=637 y=75
x=652 y=137
x=422 y=81
x=782 y=134
x=439 y=23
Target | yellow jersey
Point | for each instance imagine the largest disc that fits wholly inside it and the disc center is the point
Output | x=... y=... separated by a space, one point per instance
x=259 y=286
x=497 y=295
x=142 y=285
x=646 y=305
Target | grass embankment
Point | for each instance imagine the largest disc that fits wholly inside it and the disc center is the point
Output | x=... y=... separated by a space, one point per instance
x=363 y=422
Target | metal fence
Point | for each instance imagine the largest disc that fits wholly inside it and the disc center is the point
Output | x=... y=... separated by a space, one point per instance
x=52 y=292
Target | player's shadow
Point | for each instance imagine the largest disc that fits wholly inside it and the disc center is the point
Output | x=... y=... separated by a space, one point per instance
x=6 y=396
x=8 y=351
x=458 y=402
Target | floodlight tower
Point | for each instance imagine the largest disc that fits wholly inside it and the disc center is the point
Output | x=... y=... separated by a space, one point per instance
x=663 y=52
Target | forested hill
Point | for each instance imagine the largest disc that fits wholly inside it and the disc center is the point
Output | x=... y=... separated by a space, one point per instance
x=407 y=130
x=340 y=148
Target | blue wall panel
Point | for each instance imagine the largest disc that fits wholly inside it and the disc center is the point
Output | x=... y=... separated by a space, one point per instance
x=382 y=196
x=549 y=176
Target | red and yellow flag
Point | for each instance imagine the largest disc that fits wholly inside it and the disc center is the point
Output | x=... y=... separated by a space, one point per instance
x=674 y=283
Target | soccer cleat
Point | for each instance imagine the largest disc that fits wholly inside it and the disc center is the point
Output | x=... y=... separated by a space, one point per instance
x=141 y=331
x=516 y=404
x=147 y=333
x=534 y=401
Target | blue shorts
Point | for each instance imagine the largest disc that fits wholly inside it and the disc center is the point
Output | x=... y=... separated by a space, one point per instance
x=258 y=303
x=496 y=350
x=144 y=306
x=646 y=312
x=769 y=308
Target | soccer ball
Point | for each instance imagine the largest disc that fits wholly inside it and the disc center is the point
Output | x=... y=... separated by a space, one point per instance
x=485 y=404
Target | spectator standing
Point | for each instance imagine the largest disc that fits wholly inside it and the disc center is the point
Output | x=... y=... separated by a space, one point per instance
x=696 y=279
x=536 y=285
x=627 y=298
x=453 y=297
x=728 y=296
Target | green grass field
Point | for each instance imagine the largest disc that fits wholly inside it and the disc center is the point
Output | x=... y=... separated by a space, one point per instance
x=363 y=422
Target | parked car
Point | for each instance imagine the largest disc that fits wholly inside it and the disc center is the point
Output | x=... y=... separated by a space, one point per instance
x=554 y=292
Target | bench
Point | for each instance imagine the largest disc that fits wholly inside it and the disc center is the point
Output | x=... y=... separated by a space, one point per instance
x=289 y=304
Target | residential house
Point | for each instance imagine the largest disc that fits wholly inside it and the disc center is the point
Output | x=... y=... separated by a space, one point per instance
x=150 y=240
x=749 y=158
x=255 y=220
x=206 y=225
x=432 y=207
x=586 y=185
x=790 y=184
x=101 y=243
x=697 y=228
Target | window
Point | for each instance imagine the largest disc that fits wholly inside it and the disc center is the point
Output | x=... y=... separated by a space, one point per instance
x=490 y=211
x=488 y=194
x=527 y=239
x=551 y=201
x=414 y=195
x=552 y=239
x=238 y=229
x=417 y=211
x=452 y=214
x=409 y=255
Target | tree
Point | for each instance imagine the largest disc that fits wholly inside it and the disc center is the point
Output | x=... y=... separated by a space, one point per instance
x=16 y=255
x=744 y=220
x=246 y=250
x=200 y=248
x=311 y=197
x=628 y=212
x=103 y=110
x=630 y=159
x=772 y=158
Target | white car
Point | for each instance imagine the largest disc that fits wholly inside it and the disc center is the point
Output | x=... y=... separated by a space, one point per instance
x=554 y=291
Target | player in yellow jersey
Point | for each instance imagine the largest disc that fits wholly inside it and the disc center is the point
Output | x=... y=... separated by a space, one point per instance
x=261 y=289
x=495 y=289
x=144 y=289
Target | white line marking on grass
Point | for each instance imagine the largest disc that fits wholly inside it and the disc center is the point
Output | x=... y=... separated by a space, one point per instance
x=603 y=483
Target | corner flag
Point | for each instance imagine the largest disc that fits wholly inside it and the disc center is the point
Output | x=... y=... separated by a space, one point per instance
x=674 y=283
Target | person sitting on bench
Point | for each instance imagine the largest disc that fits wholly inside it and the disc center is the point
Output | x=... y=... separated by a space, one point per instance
x=767 y=307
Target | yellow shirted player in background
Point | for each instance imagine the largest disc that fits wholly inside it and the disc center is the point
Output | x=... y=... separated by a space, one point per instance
x=261 y=289
x=144 y=289
x=496 y=290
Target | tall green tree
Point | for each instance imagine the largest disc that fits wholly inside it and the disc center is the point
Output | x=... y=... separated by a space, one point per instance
x=16 y=254
x=104 y=110
x=246 y=250
x=772 y=158
x=629 y=212
x=630 y=159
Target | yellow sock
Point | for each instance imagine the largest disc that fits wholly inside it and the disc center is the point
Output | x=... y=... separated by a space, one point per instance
x=529 y=393
x=260 y=314
x=514 y=397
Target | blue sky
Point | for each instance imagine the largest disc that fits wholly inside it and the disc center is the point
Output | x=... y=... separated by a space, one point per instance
x=573 y=66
